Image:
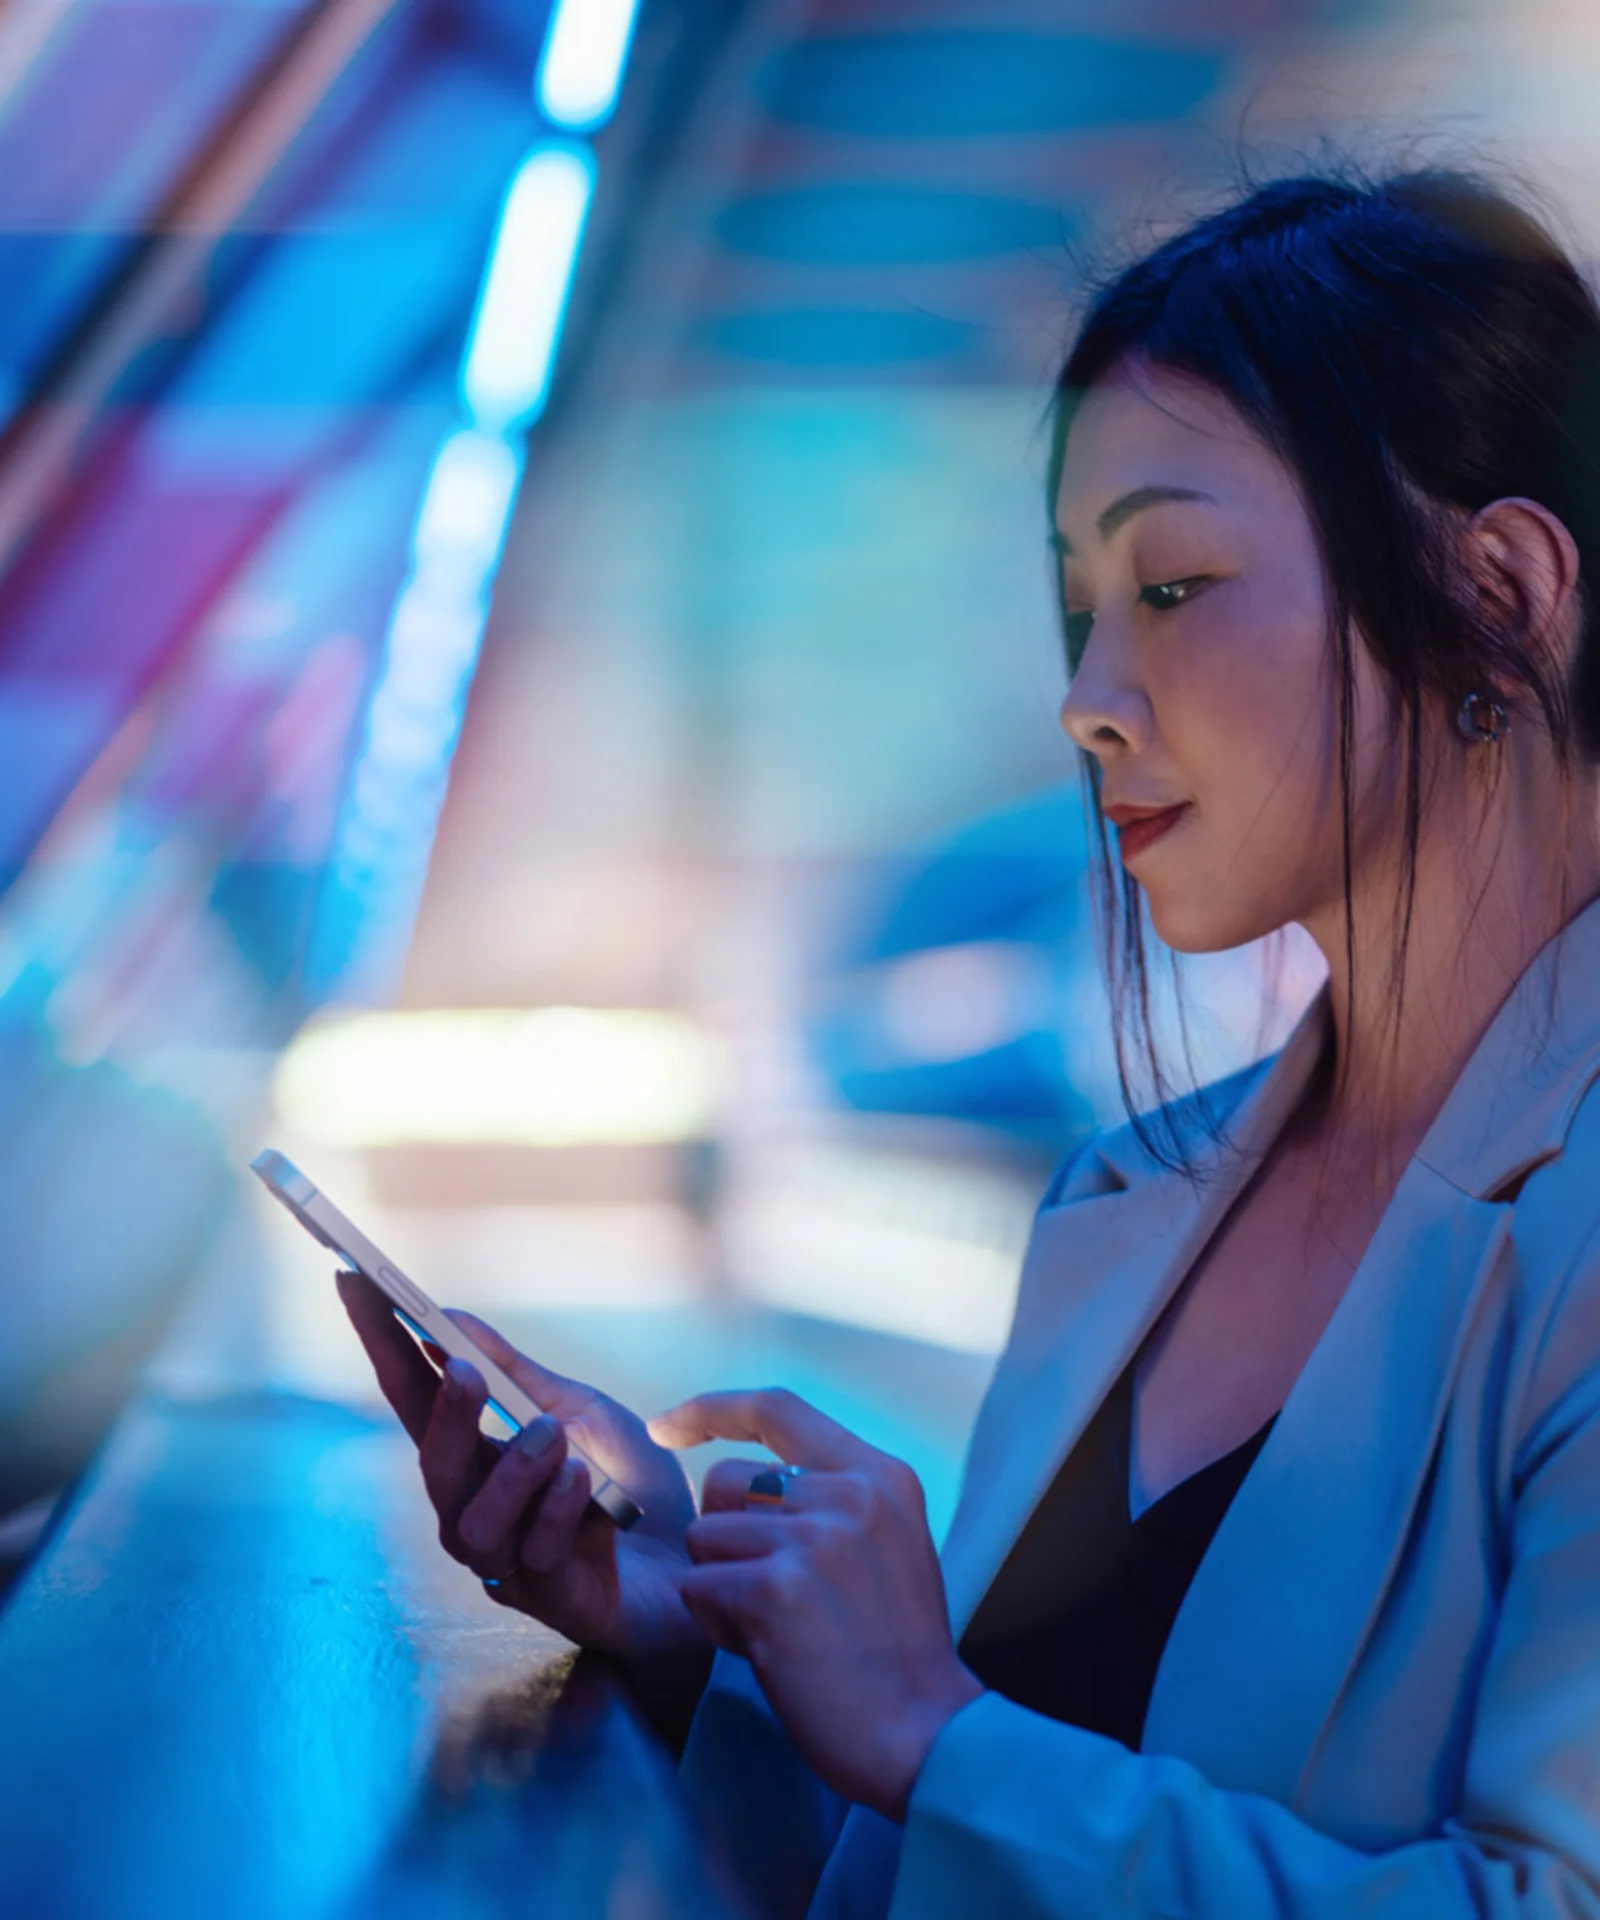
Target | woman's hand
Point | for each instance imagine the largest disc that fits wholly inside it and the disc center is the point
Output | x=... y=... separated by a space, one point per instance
x=836 y=1599
x=518 y=1512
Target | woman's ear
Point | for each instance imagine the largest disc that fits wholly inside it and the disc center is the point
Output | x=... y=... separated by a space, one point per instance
x=1524 y=564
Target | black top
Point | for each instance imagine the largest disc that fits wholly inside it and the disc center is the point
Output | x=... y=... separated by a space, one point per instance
x=1076 y=1621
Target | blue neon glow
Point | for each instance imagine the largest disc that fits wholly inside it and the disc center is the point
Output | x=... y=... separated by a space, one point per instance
x=428 y=658
x=386 y=831
x=585 y=52
x=505 y=380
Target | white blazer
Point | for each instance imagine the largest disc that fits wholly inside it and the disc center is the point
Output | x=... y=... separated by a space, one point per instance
x=1381 y=1695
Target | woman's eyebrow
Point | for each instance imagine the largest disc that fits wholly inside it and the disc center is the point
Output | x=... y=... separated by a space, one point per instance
x=1126 y=505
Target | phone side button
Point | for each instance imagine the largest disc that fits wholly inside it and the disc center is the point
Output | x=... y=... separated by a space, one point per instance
x=614 y=1503
x=402 y=1292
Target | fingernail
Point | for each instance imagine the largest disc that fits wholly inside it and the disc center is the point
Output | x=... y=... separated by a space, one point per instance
x=539 y=1436
x=455 y=1387
x=566 y=1476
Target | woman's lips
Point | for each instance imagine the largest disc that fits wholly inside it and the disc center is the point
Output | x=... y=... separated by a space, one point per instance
x=1135 y=832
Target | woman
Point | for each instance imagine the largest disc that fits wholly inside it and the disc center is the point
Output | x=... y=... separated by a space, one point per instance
x=1275 y=1583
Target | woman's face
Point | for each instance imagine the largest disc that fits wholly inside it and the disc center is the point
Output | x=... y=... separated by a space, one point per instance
x=1204 y=687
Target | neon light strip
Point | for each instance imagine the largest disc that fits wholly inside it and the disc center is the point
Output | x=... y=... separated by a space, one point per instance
x=585 y=53
x=431 y=650
x=512 y=348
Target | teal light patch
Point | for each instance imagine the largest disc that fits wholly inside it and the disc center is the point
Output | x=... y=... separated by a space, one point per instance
x=955 y=85
x=836 y=337
x=871 y=223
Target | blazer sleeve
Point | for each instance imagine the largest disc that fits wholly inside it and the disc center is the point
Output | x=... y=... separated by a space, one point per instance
x=1018 y=1814
x=754 y=1793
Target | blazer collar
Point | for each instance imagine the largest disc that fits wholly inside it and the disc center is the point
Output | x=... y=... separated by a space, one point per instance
x=1509 y=1111
x=1248 y=1111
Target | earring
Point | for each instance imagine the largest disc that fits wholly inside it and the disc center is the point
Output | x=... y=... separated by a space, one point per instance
x=1481 y=719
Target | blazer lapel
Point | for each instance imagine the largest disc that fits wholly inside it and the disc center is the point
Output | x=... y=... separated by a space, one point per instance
x=1098 y=1273
x=1280 y=1608
x=1065 y=1354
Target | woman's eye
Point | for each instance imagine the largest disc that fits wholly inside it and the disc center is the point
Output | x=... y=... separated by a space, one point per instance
x=1078 y=626
x=1167 y=594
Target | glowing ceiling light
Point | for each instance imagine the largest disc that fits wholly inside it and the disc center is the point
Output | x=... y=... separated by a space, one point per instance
x=549 y=1077
x=585 y=52
x=512 y=348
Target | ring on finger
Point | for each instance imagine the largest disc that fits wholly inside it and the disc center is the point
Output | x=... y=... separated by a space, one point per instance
x=770 y=1487
x=502 y=1576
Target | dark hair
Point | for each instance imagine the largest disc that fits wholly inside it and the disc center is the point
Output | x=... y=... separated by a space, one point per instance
x=1407 y=346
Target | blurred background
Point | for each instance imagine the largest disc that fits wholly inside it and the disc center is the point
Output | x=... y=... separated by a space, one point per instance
x=527 y=667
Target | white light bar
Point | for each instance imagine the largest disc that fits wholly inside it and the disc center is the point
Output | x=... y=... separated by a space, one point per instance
x=585 y=52
x=466 y=505
x=511 y=352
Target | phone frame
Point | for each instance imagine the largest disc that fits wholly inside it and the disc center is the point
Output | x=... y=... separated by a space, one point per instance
x=323 y=1221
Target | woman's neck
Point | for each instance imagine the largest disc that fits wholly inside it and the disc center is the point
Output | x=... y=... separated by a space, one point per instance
x=1484 y=904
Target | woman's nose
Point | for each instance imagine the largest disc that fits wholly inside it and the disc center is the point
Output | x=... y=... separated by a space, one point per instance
x=1104 y=713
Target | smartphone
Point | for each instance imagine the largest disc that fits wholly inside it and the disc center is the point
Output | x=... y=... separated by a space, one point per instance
x=323 y=1220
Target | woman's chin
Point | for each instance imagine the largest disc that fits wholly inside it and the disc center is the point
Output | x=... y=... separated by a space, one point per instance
x=1192 y=925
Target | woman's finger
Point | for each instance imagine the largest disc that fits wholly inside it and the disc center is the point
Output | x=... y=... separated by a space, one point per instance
x=550 y=1540
x=549 y=1392
x=732 y=1601
x=489 y=1523
x=718 y=1601
x=450 y=1451
x=737 y=1536
x=771 y=1416
x=405 y=1379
